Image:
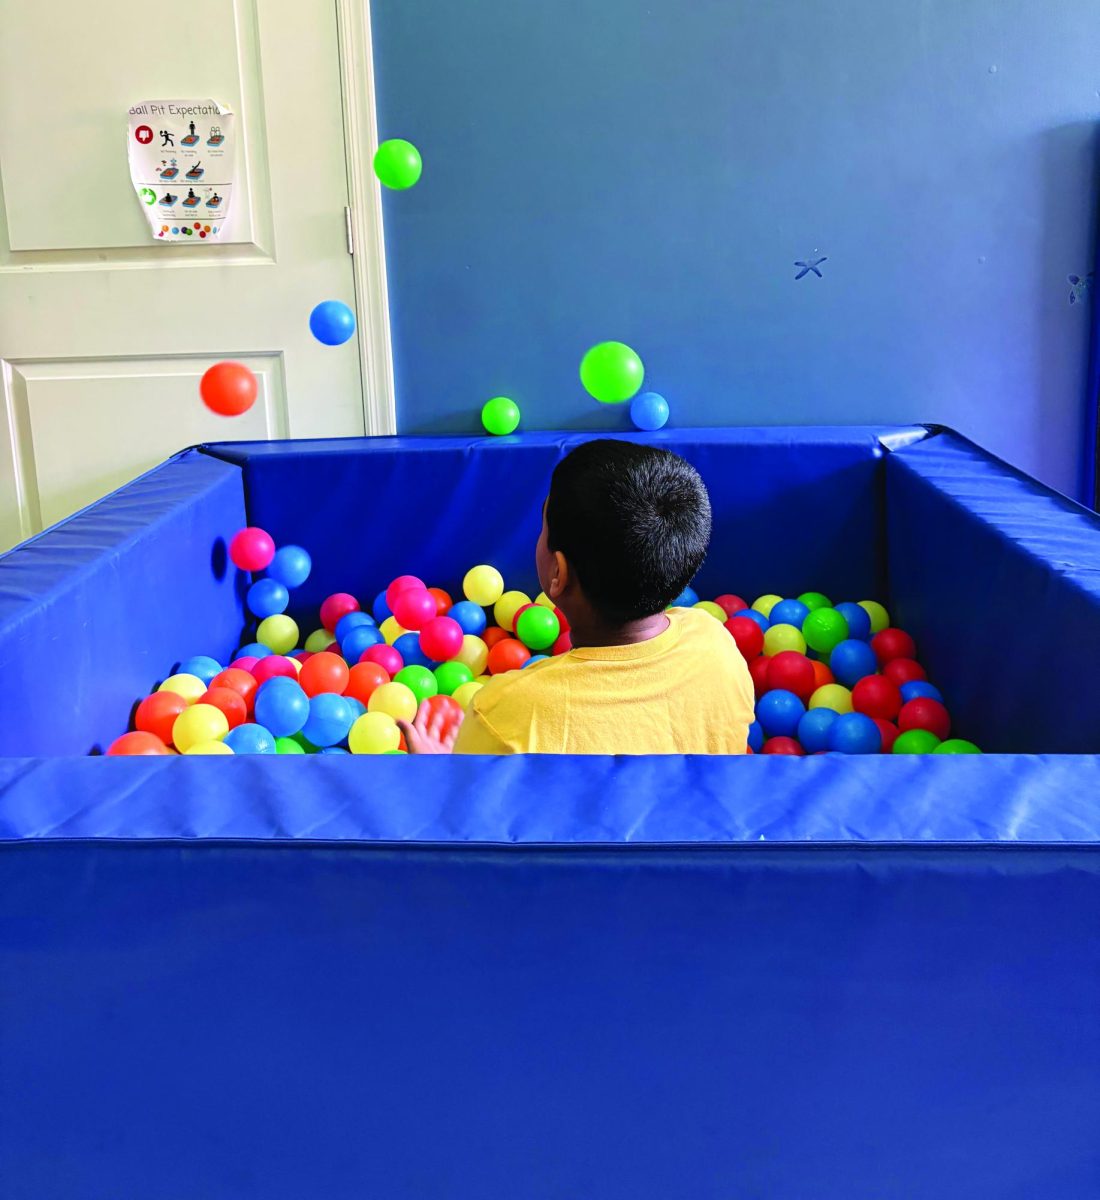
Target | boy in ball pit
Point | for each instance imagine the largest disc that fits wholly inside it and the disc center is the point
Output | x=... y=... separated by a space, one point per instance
x=625 y=528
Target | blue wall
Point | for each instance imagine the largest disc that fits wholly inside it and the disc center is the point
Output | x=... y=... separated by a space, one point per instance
x=651 y=170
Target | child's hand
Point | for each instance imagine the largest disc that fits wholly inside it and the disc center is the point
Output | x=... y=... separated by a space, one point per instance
x=432 y=732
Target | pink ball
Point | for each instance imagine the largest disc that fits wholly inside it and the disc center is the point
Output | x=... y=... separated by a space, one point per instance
x=245 y=663
x=400 y=584
x=274 y=664
x=441 y=638
x=386 y=657
x=338 y=605
x=414 y=608
x=251 y=549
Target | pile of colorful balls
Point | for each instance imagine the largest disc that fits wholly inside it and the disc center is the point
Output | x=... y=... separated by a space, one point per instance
x=827 y=679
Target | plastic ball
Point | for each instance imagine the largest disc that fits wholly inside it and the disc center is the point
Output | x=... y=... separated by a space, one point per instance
x=413 y=608
x=686 y=599
x=877 y=696
x=903 y=670
x=564 y=643
x=925 y=713
x=380 y=610
x=242 y=682
x=815 y=600
x=852 y=661
x=748 y=636
x=859 y=623
x=363 y=679
x=287 y=745
x=464 y=695
x=374 y=733
x=254 y=650
x=278 y=633
x=228 y=389
x=391 y=629
x=412 y=653
x=394 y=700
x=324 y=672
x=750 y=614
x=387 y=657
x=450 y=676
x=318 y=640
x=403 y=583
x=880 y=618
x=854 y=733
x=251 y=549
x=470 y=616
x=281 y=706
x=535 y=658
x=611 y=372
x=199 y=723
x=275 y=666
x=714 y=610
x=245 y=662
x=822 y=674
x=956 y=746
x=267 y=598
x=231 y=703
x=290 y=566
x=779 y=712
x=758 y=672
x=792 y=672
x=537 y=628
x=397 y=164
x=915 y=741
x=764 y=604
x=649 y=411
x=448 y=708
x=730 y=603
x=338 y=605
x=494 y=634
x=484 y=585
x=888 y=731
x=813 y=729
x=789 y=612
x=507 y=655
x=782 y=745
x=419 y=680
x=250 y=739
x=344 y=626
x=210 y=748
x=359 y=639
x=824 y=629
x=916 y=688
x=500 y=416
x=341 y=750
x=304 y=744
x=330 y=718
x=190 y=687
x=140 y=741
x=331 y=322
x=779 y=638
x=833 y=696
x=893 y=643
x=756 y=737
x=443 y=601
x=156 y=714
x=506 y=608
x=441 y=638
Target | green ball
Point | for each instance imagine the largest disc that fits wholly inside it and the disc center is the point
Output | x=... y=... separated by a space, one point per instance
x=916 y=741
x=304 y=744
x=500 y=415
x=956 y=746
x=611 y=372
x=824 y=629
x=419 y=680
x=451 y=675
x=287 y=745
x=815 y=600
x=397 y=164
x=538 y=627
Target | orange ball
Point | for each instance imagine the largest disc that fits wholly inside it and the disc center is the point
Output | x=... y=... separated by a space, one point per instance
x=244 y=683
x=363 y=678
x=138 y=742
x=324 y=672
x=230 y=701
x=443 y=601
x=507 y=655
x=228 y=388
x=156 y=714
x=822 y=674
x=494 y=634
x=450 y=709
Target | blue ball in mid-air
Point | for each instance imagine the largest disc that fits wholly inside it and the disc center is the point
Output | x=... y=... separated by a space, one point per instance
x=331 y=322
x=290 y=566
x=267 y=597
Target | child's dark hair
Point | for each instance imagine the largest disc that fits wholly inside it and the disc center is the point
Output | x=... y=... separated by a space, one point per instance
x=633 y=522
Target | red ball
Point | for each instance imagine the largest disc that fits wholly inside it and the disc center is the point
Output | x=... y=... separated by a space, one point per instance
x=564 y=643
x=783 y=745
x=889 y=733
x=363 y=678
x=251 y=549
x=925 y=713
x=730 y=603
x=877 y=696
x=748 y=636
x=245 y=663
x=156 y=714
x=399 y=585
x=229 y=389
x=893 y=643
x=302 y=655
x=791 y=671
x=903 y=670
x=822 y=674
x=448 y=707
x=443 y=601
x=389 y=659
x=274 y=664
x=241 y=681
x=414 y=607
x=563 y=620
x=758 y=669
x=522 y=609
x=231 y=702
x=338 y=605
x=138 y=742
x=508 y=654
x=494 y=634
x=441 y=638
x=325 y=672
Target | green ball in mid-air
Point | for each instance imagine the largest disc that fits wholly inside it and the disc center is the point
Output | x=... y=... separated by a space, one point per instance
x=397 y=164
x=538 y=627
x=612 y=372
x=824 y=629
x=500 y=415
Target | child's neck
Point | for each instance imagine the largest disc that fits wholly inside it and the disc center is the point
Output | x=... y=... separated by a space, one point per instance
x=589 y=630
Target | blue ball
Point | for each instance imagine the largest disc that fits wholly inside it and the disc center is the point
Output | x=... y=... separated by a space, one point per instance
x=250 y=739
x=349 y=621
x=649 y=411
x=686 y=598
x=380 y=608
x=920 y=689
x=266 y=597
x=408 y=646
x=330 y=718
x=859 y=623
x=290 y=566
x=779 y=712
x=358 y=708
x=753 y=615
x=470 y=617
x=201 y=665
x=813 y=729
x=254 y=650
x=333 y=750
x=789 y=612
x=331 y=322
x=282 y=706
x=358 y=639
x=535 y=658
x=756 y=737
x=854 y=733
x=851 y=661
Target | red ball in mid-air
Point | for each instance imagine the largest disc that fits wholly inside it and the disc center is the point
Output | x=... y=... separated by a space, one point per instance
x=893 y=643
x=903 y=670
x=877 y=696
x=252 y=549
x=748 y=636
x=228 y=388
x=783 y=745
x=791 y=671
x=925 y=713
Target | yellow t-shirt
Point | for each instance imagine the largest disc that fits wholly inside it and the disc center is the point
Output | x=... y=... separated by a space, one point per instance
x=686 y=691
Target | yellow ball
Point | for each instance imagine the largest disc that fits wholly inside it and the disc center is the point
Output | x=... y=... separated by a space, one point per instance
x=197 y=724
x=483 y=585
x=390 y=630
x=209 y=748
x=783 y=637
x=834 y=696
x=482 y=679
x=507 y=606
x=190 y=687
x=474 y=653
x=318 y=640
x=464 y=694
x=543 y=599
x=394 y=699
x=278 y=633
x=715 y=610
x=374 y=732
x=765 y=604
x=880 y=618
x=296 y=665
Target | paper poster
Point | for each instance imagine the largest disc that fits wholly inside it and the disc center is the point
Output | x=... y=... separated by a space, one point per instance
x=182 y=165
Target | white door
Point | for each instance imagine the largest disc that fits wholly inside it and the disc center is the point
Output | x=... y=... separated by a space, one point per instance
x=104 y=333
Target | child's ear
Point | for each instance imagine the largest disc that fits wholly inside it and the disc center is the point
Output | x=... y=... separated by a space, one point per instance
x=559 y=576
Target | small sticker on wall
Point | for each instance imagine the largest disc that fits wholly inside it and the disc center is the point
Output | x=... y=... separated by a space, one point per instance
x=182 y=159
